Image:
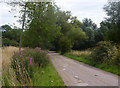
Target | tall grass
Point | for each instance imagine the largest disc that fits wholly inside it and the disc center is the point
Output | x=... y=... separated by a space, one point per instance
x=82 y=54
x=7 y=53
x=8 y=75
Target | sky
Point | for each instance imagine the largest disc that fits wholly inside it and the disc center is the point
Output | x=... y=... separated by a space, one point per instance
x=6 y=17
x=92 y=9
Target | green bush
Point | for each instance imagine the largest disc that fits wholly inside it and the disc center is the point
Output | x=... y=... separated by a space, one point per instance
x=116 y=58
x=104 y=52
x=64 y=45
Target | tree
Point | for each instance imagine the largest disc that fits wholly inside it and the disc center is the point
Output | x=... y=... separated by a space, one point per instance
x=113 y=11
x=63 y=21
x=76 y=22
x=76 y=34
x=42 y=26
x=10 y=36
x=100 y=33
x=65 y=44
x=5 y=28
x=20 y=45
x=88 y=23
x=23 y=5
x=90 y=29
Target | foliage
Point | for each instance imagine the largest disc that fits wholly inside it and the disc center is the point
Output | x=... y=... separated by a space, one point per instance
x=65 y=44
x=105 y=55
x=42 y=29
x=62 y=21
x=73 y=31
x=100 y=34
x=90 y=28
x=24 y=63
x=116 y=57
x=103 y=66
x=45 y=23
x=8 y=42
x=42 y=76
x=88 y=23
x=47 y=76
x=6 y=28
x=10 y=36
x=113 y=10
x=76 y=35
x=39 y=56
x=90 y=33
x=9 y=78
x=83 y=54
x=112 y=34
x=105 y=52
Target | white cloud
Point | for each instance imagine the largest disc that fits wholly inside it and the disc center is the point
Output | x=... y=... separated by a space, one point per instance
x=6 y=17
x=92 y=9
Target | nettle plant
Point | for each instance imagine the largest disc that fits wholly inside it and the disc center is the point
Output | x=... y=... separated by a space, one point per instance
x=25 y=62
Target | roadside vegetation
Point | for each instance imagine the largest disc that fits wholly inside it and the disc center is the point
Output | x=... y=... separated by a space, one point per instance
x=47 y=27
x=30 y=67
x=105 y=56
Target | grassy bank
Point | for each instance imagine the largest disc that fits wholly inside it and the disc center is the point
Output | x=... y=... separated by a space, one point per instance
x=82 y=56
x=39 y=76
x=47 y=77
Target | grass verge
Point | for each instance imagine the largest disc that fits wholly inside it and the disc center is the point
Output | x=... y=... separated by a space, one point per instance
x=47 y=76
x=111 y=68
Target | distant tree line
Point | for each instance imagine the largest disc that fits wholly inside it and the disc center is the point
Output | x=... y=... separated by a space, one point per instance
x=10 y=37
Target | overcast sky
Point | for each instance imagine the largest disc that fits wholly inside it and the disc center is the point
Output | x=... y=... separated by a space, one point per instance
x=92 y=9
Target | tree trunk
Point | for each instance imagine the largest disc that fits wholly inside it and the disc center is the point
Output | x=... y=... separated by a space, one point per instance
x=20 y=44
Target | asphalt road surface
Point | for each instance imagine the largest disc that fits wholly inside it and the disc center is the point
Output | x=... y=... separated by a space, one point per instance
x=75 y=73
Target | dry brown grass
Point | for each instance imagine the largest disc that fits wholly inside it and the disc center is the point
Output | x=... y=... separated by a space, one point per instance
x=7 y=53
x=80 y=53
x=8 y=74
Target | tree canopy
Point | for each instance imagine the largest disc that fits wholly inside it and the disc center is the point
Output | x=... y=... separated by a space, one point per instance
x=47 y=27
